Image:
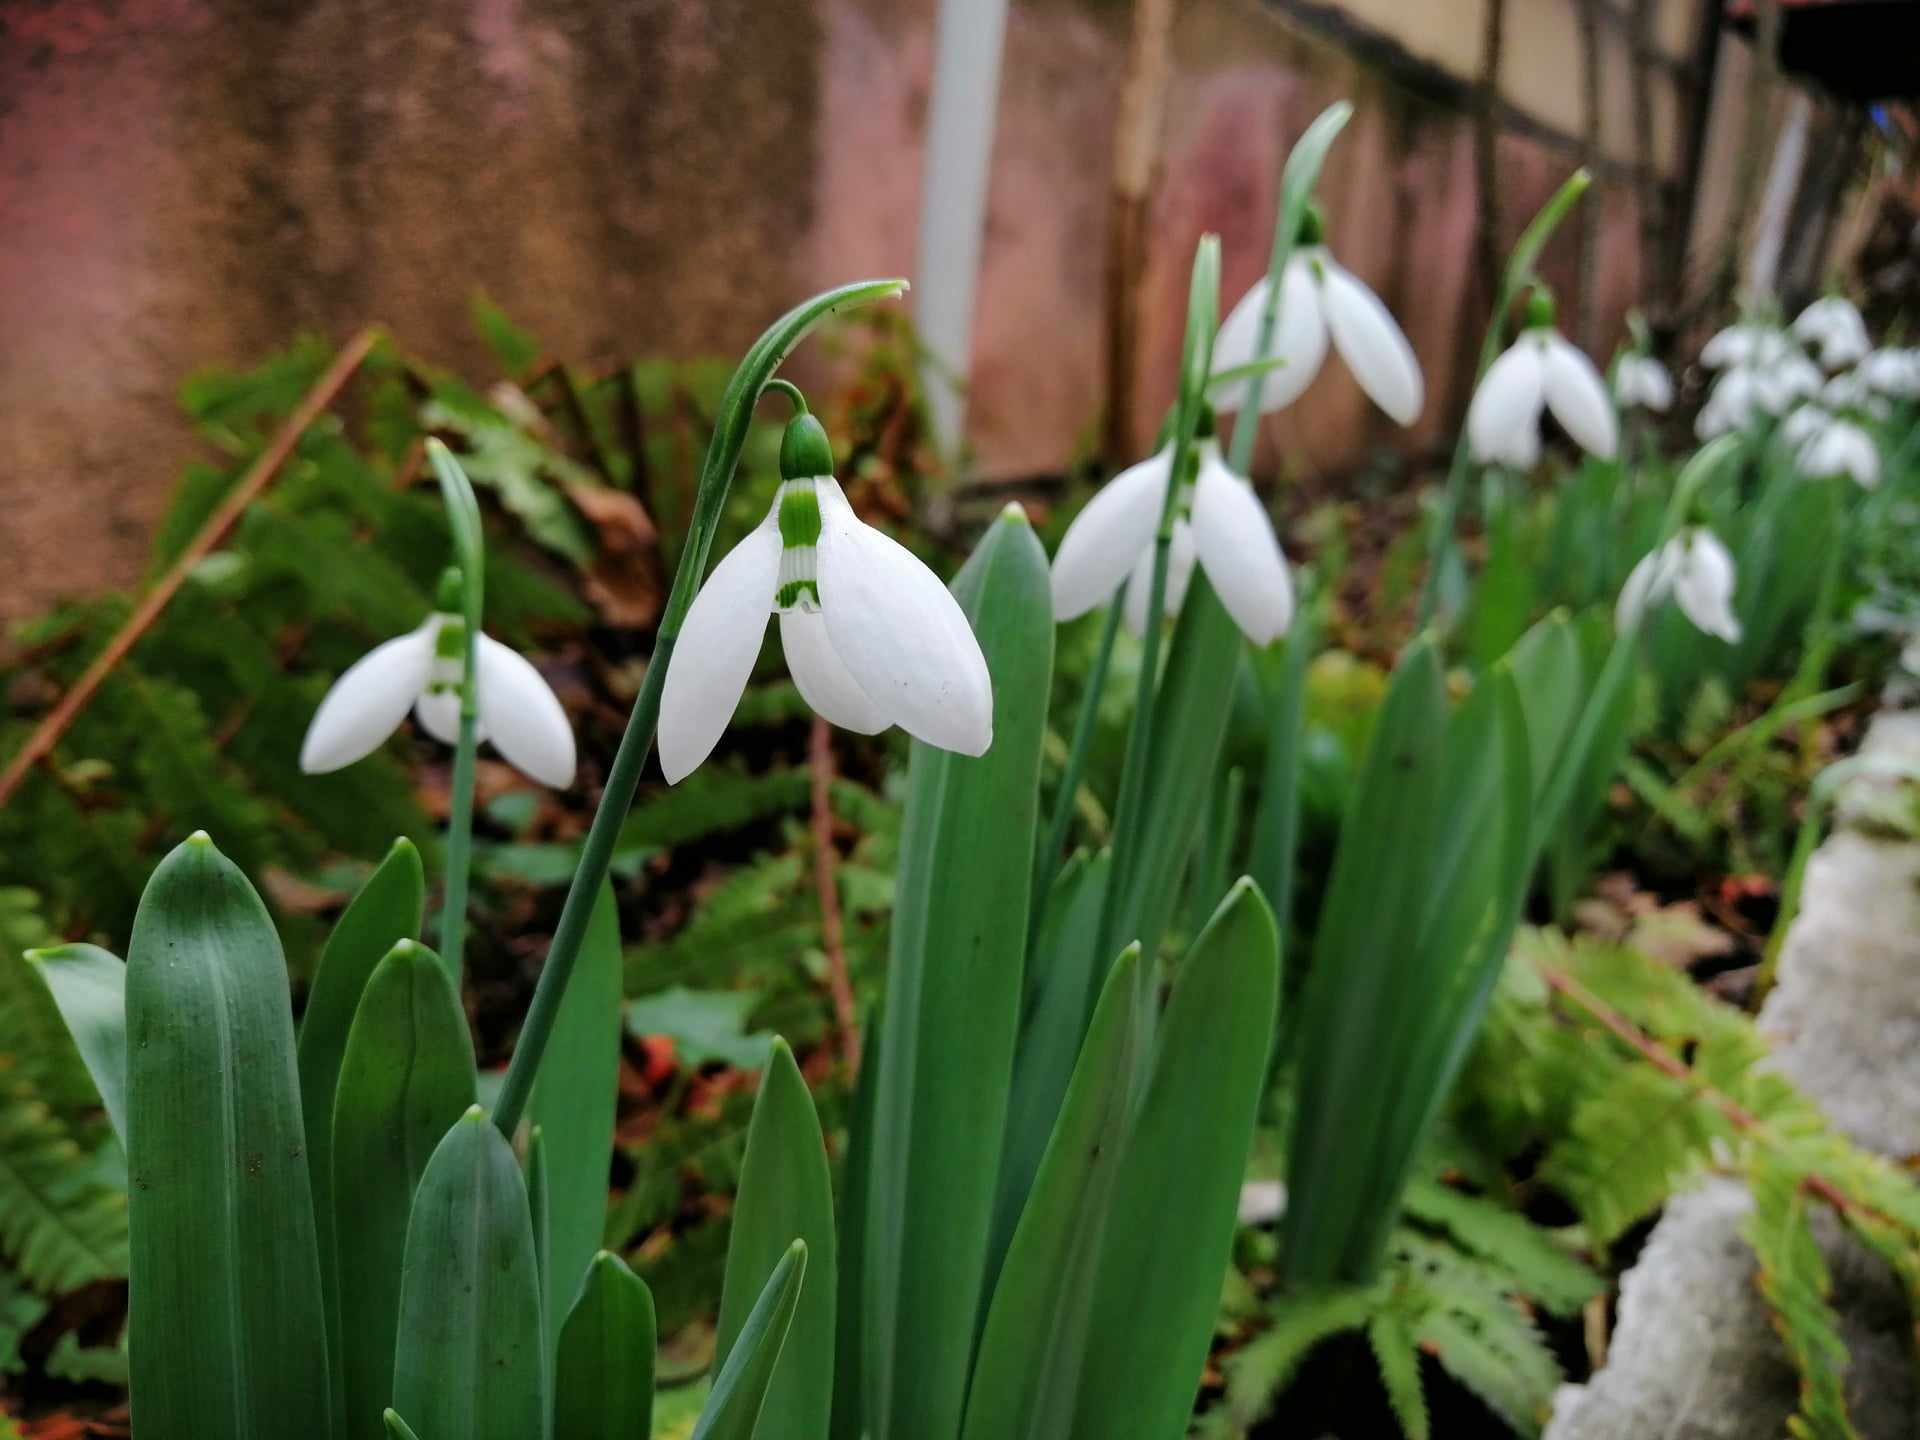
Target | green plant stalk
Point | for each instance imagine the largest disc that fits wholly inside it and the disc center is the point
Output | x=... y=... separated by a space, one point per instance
x=463 y=521
x=1518 y=274
x=1047 y=863
x=731 y=422
x=1203 y=303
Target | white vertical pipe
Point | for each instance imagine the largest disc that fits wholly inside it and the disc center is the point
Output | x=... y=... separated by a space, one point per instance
x=953 y=200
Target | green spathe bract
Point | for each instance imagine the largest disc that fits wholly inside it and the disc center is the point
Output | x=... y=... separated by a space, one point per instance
x=224 y=1281
x=89 y=986
x=468 y=1363
x=739 y=1395
x=953 y=1010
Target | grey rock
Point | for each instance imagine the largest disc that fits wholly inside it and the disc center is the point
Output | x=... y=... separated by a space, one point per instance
x=1694 y=1355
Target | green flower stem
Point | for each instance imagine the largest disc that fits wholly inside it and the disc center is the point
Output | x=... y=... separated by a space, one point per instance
x=731 y=423
x=1518 y=275
x=1047 y=862
x=463 y=520
x=1196 y=357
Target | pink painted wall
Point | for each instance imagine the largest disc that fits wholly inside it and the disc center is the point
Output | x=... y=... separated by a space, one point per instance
x=185 y=181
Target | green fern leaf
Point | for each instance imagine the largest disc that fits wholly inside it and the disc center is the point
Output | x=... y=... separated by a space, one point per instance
x=1539 y=1267
x=1259 y=1370
x=1398 y=1357
x=1798 y=1288
x=20 y=1311
x=58 y=1227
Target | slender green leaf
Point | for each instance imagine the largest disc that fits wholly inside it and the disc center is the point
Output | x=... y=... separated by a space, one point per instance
x=386 y=910
x=1027 y=1373
x=405 y=1077
x=603 y=1377
x=739 y=1393
x=396 y=1428
x=89 y=985
x=468 y=1360
x=573 y=1103
x=785 y=1193
x=1170 y=1230
x=227 y=1325
x=953 y=1009
x=849 y=1387
x=1062 y=973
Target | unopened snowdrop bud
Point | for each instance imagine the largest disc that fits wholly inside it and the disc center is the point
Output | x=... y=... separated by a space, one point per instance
x=1695 y=571
x=871 y=636
x=420 y=671
x=1540 y=371
x=1833 y=327
x=1642 y=382
x=1319 y=299
x=1221 y=526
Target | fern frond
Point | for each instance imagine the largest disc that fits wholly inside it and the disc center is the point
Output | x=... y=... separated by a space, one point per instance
x=1398 y=1357
x=20 y=1311
x=1260 y=1369
x=1795 y=1281
x=58 y=1227
x=1536 y=1264
x=1627 y=1147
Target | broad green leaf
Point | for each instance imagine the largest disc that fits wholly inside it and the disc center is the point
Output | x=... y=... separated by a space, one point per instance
x=1547 y=668
x=1026 y=1375
x=1062 y=980
x=227 y=1326
x=785 y=1194
x=89 y=985
x=739 y=1393
x=540 y=1216
x=1170 y=1228
x=603 y=1375
x=704 y=1025
x=573 y=1104
x=953 y=1008
x=1276 y=820
x=468 y=1361
x=406 y=1076
x=1369 y=929
x=386 y=910
x=849 y=1387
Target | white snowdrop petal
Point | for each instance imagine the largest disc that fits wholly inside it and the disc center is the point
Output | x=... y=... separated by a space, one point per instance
x=1804 y=424
x=900 y=633
x=1703 y=587
x=1107 y=536
x=1641 y=380
x=1235 y=543
x=718 y=644
x=368 y=702
x=524 y=719
x=1299 y=338
x=1648 y=584
x=1507 y=403
x=1578 y=398
x=1180 y=561
x=822 y=680
x=438 y=713
x=1371 y=342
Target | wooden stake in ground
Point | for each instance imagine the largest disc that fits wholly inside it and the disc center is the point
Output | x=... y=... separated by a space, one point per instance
x=47 y=734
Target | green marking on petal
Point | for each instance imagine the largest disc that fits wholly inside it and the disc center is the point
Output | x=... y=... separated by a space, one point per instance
x=789 y=595
x=451 y=642
x=799 y=517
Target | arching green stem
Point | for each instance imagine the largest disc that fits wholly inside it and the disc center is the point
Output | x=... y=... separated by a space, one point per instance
x=731 y=422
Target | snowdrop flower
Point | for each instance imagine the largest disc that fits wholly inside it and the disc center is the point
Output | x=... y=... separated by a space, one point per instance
x=872 y=638
x=1181 y=558
x=1747 y=391
x=1834 y=328
x=1641 y=380
x=1839 y=447
x=1850 y=391
x=1319 y=298
x=1230 y=536
x=1747 y=343
x=1696 y=572
x=420 y=671
x=1892 y=372
x=1540 y=370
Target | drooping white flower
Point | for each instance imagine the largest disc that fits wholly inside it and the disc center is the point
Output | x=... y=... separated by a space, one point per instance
x=1839 y=447
x=1541 y=370
x=1764 y=387
x=871 y=636
x=1803 y=423
x=1231 y=537
x=1747 y=343
x=1894 y=372
x=1849 y=390
x=1642 y=381
x=519 y=715
x=1181 y=558
x=1833 y=327
x=1319 y=298
x=1696 y=572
